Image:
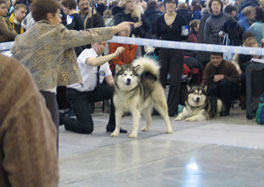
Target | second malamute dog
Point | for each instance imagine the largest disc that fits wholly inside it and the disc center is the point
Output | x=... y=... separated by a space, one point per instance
x=138 y=90
x=198 y=106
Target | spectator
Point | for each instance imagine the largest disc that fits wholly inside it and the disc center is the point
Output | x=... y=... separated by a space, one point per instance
x=174 y=27
x=257 y=28
x=222 y=80
x=196 y=9
x=17 y=17
x=100 y=6
x=108 y=18
x=127 y=56
x=246 y=3
x=203 y=57
x=94 y=68
x=91 y=18
x=28 y=154
x=216 y=22
x=6 y=31
x=249 y=14
x=182 y=10
x=194 y=27
x=231 y=10
x=73 y=19
x=134 y=13
x=47 y=50
x=152 y=15
x=241 y=61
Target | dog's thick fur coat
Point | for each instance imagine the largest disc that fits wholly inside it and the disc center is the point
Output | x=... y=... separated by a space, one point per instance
x=198 y=106
x=138 y=90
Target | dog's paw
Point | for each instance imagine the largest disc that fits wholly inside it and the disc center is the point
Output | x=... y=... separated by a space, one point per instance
x=115 y=133
x=179 y=118
x=169 y=131
x=190 y=119
x=144 y=129
x=133 y=135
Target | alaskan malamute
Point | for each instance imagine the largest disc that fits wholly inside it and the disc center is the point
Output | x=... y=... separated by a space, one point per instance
x=138 y=90
x=198 y=106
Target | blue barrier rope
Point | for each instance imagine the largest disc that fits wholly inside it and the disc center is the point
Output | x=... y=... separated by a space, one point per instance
x=174 y=45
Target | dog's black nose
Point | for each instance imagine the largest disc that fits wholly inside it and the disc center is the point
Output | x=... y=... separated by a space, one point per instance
x=197 y=99
x=128 y=81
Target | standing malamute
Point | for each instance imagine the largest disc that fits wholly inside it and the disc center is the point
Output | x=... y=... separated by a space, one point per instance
x=198 y=106
x=138 y=90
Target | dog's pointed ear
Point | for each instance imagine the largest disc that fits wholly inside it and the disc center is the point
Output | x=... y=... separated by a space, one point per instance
x=136 y=68
x=188 y=88
x=117 y=68
x=205 y=89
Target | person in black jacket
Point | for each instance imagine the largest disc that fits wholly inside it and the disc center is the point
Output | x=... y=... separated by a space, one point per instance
x=91 y=18
x=174 y=27
x=152 y=15
x=128 y=11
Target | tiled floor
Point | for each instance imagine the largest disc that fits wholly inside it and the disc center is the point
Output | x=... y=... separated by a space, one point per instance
x=224 y=152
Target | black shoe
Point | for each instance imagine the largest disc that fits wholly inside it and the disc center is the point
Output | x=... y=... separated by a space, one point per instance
x=224 y=113
x=112 y=130
x=172 y=115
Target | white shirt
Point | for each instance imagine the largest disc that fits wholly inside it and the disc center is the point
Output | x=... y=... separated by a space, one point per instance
x=89 y=72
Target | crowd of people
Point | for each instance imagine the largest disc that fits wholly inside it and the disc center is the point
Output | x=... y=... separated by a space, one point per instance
x=63 y=45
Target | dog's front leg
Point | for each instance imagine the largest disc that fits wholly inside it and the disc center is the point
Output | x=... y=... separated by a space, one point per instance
x=118 y=116
x=136 y=118
x=199 y=117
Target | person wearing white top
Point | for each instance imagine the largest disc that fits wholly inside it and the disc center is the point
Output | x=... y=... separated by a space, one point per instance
x=91 y=90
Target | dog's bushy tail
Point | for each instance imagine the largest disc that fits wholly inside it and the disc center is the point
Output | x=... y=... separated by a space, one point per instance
x=147 y=65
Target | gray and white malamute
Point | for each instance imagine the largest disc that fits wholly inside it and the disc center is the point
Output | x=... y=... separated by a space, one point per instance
x=198 y=106
x=138 y=90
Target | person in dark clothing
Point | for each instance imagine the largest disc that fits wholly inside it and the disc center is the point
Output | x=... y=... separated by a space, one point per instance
x=231 y=10
x=91 y=19
x=91 y=90
x=152 y=15
x=134 y=13
x=241 y=61
x=222 y=80
x=174 y=27
x=182 y=10
x=204 y=57
x=100 y=7
x=196 y=9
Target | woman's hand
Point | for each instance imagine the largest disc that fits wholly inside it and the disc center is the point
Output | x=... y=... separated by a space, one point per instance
x=124 y=26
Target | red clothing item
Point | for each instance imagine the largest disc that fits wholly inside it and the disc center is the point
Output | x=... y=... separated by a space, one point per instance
x=192 y=38
x=124 y=58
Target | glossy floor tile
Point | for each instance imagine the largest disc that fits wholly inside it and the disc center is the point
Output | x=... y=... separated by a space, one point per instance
x=220 y=152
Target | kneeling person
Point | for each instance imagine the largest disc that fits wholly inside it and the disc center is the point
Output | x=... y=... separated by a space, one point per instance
x=222 y=80
x=92 y=66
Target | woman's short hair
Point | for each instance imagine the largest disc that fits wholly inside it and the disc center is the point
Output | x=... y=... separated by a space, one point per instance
x=40 y=8
x=71 y=4
x=209 y=5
